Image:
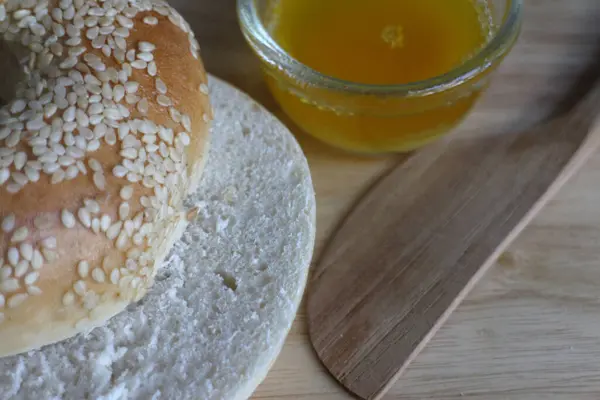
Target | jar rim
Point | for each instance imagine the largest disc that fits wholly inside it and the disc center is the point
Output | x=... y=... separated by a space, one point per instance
x=274 y=55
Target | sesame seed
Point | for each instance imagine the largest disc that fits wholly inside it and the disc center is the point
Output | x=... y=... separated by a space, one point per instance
x=124 y=129
x=8 y=223
x=65 y=161
x=96 y=12
x=16 y=300
x=84 y=217
x=128 y=70
x=118 y=93
x=13 y=256
x=132 y=99
x=94 y=165
x=80 y=288
x=124 y=211
x=96 y=108
x=175 y=115
x=114 y=230
x=5 y=272
x=20 y=235
x=160 y=86
x=58 y=176
x=146 y=47
x=68 y=299
x=186 y=122
x=121 y=32
x=82 y=118
x=105 y=222
x=4 y=175
x=98 y=275
x=18 y=106
x=9 y=285
x=26 y=251
x=152 y=69
x=68 y=15
x=99 y=180
x=4 y=133
x=184 y=138
x=67 y=219
x=138 y=220
x=204 y=88
x=124 y=21
x=37 y=260
x=149 y=20
x=83 y=269
x=32 y=174
x=100 y=130
x=133 y=178
x=92 y=33
x=139 y=64
x=106 y=263
x=49 y=242
x=74 y=41
x=135 y=282
x=77 y=51
x=31 y=278
x=110 y=137
x=20 y=14
x=121 y=44
x=145 y=56
x=92 y=206
x=122 y=241
x=164 y=100
x=49 y=255
x=21 y=268
x=34 y=290
x=19 y=178
x=119 y=171
x=131 y=87
x=148 y=127
x=130 y=55
x=14 y=138
x=129 y=153
x=72 y=172
x=96 y=225
x=126 y=192
x=90 y=300
x=115 y=276
x=142 y=106
x=68 y=63
x=112 y=113
x=134 y=253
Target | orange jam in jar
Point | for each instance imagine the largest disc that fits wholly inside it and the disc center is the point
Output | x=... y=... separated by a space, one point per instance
x=376 y=76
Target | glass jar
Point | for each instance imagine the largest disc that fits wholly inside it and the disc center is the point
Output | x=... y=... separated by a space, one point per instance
x=377 y=118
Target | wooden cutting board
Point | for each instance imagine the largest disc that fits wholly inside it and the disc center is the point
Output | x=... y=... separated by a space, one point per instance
x=531 y=328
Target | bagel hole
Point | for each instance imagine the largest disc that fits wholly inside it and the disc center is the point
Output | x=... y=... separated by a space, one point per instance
x=12 y=73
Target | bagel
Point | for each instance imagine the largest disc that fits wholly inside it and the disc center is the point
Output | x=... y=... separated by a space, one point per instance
x=103 y=132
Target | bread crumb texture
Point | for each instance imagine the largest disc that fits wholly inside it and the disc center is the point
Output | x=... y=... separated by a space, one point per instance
x=226 y=297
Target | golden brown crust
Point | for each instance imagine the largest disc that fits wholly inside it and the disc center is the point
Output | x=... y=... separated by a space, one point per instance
x=61 y=269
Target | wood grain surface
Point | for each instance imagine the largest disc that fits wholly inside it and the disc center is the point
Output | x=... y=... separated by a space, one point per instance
x=531 y=327
x=418 y=242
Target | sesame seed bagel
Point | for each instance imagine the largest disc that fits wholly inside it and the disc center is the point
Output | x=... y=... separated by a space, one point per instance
x=103 y=132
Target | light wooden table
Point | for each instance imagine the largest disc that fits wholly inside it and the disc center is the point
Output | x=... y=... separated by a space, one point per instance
x=531 y=328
